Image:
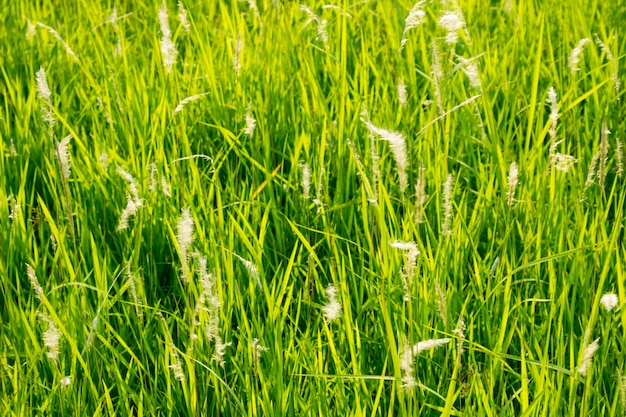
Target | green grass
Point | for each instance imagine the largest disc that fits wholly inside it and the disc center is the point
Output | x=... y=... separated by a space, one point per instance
x=526 y=279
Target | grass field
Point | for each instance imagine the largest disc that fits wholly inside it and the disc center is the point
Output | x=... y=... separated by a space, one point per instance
x=372 y=208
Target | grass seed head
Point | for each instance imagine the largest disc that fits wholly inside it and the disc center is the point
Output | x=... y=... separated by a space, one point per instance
x=448 y=189
x=420 y=194
x=51 y=337
x=65 y=381
x=574 y=57
x=402 y=96
x=512 y=183
x=562 y=162
x=416 y=17
x=609 y=301
x=429 y=345
x=168 y=49
x=250 y=122
x=397 y=143
x=306 y=180
x=34 y=282
x=63 y=154
x=182 y=17
x=237 y=55
x=332 y=309
x=619 y=154
x=257 y=348
x=585 y=362
x=184 y=234
x=406 y=365
x=554 y=111
x=31 y=31
x=452 y=22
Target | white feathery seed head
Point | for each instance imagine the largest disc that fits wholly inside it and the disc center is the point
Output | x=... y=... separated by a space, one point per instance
x=133 y=283
x=60 y=39
x=220 y=351
x=132 y=184
x=406 y=365
x=437 y=75
x=44 y=93
x=332 y=309
x=402 y=95
x=237 y=55
x=420 y=194
x=184 y=234
x=322 y=33
x=448 y=189
x=574 y=57
x=512 y=183
x=397 y=142
x=609 y=301
x=42 y=85
x=104 y=159
x=255 y=9
x=452 y=22
x=250 y=122
x=252 y=270
x=63 y=155
x=34 y=282
x=306 y=180
x=617 y=83
x=470 y=68
x=257 y=348
x=619 y=154
x=585 y=361
x=165 y=186
x=429 y=344
x=411 y=253
x=65 y=381
x=562 y=162
x=152 y=167
x=416 y=17
x=318 y=200
x=14 y=208
x=31 y=31
x=168 y=49
x=51 y=337
x=182 y=16
x=460 y=333
x=604 y=153
x=129 y=211
x=441 y=303
x=554 y=111
x=188 y=100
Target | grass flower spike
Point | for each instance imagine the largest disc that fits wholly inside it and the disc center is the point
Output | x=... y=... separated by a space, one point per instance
x=416 y=17
x=609 y=301
x=168 y=49
x=397 y=143
x=332 y=310
x=574 y=57
x=585 y=362
x=512 y=182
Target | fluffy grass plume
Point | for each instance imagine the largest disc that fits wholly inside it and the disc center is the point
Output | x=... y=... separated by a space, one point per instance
x=585 y=361
x=168 y=48
x=574 y=57
x=416 y=16
x=397 y=143
x=332 y=309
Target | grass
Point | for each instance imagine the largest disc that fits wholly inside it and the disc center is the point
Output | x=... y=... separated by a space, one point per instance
x=144 y=313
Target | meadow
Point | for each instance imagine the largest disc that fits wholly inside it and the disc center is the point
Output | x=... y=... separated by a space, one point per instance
x=273 y=208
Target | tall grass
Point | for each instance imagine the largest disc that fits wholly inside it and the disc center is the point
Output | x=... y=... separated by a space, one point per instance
x=364 y=208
